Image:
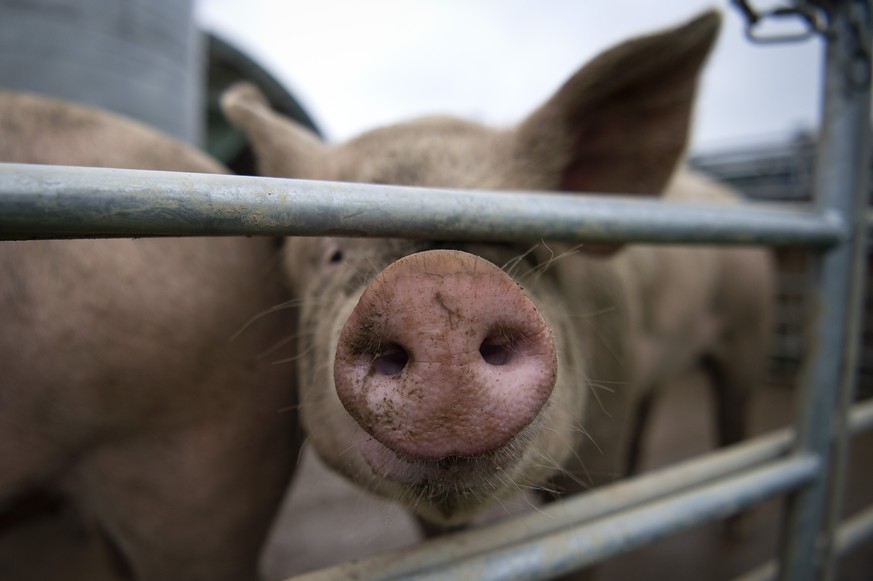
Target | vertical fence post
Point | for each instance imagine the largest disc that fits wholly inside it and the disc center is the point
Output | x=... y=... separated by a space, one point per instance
x=842 y=164
x=856 y=305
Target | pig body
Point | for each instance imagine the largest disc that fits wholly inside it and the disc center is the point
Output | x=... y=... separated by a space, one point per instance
x=697 y=306
x=398 y=336
x=131 y=383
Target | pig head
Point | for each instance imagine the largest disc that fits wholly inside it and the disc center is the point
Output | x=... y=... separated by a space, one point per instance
x=131 y=381
x=450 y=375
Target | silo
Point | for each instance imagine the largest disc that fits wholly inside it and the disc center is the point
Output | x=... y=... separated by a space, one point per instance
x=141 y=58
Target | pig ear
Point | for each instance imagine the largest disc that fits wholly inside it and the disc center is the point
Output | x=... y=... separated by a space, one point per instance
x=282 y=147
x=620 y=124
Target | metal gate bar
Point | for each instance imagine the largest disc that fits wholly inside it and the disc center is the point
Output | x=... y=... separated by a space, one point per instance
x=853 y=532
x=848 y=536
x=69 y=202
x=580 y=510
x=838 y=538
x=566 y=551
x=842 y=165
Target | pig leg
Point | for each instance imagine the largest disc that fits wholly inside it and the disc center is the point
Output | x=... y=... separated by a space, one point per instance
x=640 y=420
x=731 y=382
x=736 y=363
x=202 y=509
x=732 y=379
x=730 y=388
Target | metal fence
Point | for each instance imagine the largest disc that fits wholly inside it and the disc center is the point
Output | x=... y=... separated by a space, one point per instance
x=61 y=202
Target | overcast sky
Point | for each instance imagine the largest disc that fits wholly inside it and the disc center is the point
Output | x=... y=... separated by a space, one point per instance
x=357 y=64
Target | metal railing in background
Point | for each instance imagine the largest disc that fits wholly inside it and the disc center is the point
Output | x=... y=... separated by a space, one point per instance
x=58 y=202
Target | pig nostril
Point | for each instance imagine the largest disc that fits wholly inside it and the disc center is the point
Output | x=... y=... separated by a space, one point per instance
x=495 y=354
x=391 y=361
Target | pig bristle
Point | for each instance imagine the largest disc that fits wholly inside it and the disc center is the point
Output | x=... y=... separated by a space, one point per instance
x=291 y=304
x=540 y=269
x=511 y=266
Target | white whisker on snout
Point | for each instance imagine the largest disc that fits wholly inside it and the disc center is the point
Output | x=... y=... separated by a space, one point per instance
x=291 y=304
x=593 y=314
x=298 y=356
x=292 y=338
x=511 y=266
x=541 y=268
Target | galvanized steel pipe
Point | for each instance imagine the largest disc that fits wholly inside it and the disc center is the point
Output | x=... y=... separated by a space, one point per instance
x=566 y=551
x=850 y=535
x=842 y=165
x=70 y=202
x=574 y=511
x=854 y=531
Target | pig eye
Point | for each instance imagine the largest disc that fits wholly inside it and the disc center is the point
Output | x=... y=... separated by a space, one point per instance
x=391 y=361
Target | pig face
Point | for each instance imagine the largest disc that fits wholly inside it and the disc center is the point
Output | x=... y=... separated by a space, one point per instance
x=449 y=375
x=433 y=375
x=433 y=380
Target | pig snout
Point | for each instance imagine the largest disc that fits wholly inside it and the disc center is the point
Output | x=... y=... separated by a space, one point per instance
x=444 y=357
